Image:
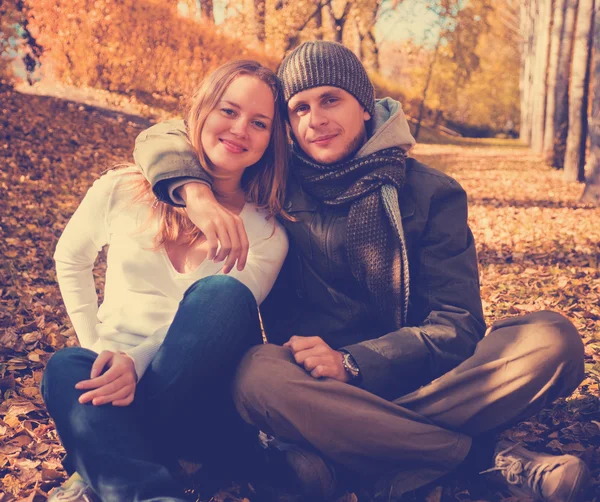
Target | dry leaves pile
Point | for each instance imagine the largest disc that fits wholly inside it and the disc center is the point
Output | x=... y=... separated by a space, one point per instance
x=50 y=152
x=537 y=247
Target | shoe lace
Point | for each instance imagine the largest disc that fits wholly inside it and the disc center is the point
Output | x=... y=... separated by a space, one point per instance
x=517 y=472
x=265 y=440
x=74 y=493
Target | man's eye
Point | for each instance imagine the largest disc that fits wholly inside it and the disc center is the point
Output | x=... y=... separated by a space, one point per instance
x=301 y=109
x=331 y=100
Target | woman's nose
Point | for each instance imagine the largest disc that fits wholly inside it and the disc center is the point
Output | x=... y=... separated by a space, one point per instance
x=239 y=127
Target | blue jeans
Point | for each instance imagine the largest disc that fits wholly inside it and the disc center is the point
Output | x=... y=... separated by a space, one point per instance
x=182 y=407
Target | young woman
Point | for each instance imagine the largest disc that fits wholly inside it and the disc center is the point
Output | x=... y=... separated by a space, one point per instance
x=150 y=382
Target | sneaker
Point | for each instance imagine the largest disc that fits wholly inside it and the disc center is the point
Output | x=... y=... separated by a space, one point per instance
x=540 y=476
x=74 y=489
x=314 y=476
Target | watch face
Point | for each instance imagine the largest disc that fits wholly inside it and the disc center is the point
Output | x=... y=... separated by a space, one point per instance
x=350 y=365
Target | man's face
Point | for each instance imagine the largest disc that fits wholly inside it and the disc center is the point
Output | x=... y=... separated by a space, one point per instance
x=328 y=123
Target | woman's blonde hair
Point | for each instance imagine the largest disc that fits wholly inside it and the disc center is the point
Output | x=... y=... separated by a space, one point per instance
x=263 y=182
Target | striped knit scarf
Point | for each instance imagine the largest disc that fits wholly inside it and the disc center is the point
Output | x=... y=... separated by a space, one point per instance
x=374 y=239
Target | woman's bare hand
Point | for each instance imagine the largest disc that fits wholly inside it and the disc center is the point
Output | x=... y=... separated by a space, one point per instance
x=116 y=385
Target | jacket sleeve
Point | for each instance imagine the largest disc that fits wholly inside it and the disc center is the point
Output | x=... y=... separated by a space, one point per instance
x=446 y=304
x=168 y=160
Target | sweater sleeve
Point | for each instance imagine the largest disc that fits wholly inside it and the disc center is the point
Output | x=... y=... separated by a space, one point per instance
x=168 y=160
x=76 y=251
x=143 y=353
x=265 y=259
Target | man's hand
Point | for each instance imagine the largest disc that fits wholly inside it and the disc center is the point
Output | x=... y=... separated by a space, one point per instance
x=318 y=358
x=218 y=224
x=116 y=385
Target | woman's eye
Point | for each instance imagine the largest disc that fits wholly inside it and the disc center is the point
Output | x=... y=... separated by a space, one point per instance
x=228 y=111
x=260 y=124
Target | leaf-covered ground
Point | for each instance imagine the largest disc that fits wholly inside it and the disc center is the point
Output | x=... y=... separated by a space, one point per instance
x=538 y=249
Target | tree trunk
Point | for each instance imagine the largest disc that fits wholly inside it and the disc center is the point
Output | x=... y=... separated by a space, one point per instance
x=375 y=49
x=540 y=75
x=578 y=99
x=206 y=10
x=259 y=20
x=591 y=193
x=426 y=87
x=558 y=24
x=561 y=111
x=338 y=23
x=319 y=25
x=527 y=57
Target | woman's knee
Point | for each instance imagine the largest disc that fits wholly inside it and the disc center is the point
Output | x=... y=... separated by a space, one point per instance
x=221 y=290
x=65 y=368
x=222 y=309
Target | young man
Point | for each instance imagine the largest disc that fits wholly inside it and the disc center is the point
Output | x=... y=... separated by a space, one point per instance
x=378 y=360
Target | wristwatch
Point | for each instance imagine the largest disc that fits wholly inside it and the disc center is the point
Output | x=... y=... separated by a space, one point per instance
x=350 y=366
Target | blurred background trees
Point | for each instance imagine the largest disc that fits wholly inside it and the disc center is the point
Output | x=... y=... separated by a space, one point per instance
x=525 y=68
x=16 y=41
x=453 y=63
x=560 y=87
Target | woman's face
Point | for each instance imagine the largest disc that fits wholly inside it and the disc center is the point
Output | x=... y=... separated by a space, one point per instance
x=237 y=131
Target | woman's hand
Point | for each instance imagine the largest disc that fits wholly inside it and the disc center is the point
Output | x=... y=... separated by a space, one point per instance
x=218 y=224
x=116 y=385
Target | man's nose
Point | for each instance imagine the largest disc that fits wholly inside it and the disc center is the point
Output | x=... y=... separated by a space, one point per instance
x=317 y=118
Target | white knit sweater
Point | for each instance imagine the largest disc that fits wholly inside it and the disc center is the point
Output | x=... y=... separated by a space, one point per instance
x=143 y=289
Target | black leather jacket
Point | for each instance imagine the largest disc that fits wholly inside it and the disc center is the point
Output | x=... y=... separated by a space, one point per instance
x=317 y=295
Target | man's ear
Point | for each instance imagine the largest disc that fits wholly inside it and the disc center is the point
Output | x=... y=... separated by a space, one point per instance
x=366 y=115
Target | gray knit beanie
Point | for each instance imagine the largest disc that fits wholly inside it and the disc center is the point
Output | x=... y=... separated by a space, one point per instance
x=317 y=63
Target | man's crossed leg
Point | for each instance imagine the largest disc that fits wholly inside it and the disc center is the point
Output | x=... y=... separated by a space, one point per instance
x=522 y=365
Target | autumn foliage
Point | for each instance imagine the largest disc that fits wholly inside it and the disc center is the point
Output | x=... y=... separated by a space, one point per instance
x=538 y=249
x=130 y=45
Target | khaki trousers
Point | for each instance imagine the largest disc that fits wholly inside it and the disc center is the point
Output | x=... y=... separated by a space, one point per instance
x=523 y=364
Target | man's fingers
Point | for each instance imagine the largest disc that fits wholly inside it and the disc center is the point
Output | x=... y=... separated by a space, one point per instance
x=312 y=361
x=299 y=343
x=319 y=351
x=322 y=371
x=103 y=358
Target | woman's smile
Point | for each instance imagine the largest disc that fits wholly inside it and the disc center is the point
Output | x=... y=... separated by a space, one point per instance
x=232 y=146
